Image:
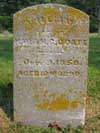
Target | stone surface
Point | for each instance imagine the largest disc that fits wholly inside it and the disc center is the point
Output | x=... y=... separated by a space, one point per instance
x=50 y=65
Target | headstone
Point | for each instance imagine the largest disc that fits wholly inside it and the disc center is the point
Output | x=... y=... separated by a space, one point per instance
x=50 y=65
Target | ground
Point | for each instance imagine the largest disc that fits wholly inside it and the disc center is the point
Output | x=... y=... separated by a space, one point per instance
x=6 y=92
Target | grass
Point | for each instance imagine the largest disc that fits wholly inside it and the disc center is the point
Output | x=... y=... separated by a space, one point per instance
x=93 y=105
x=6 y=67
x=5 y=61
x=94 y=68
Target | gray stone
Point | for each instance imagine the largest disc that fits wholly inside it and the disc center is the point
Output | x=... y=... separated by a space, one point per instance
x=50 y=65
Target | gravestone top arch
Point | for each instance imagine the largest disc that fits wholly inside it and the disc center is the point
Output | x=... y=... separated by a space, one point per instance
x=50 y=64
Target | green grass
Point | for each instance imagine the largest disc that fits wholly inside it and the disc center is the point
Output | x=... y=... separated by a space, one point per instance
x=94 y=68
x=6 y=74
x=6 y=57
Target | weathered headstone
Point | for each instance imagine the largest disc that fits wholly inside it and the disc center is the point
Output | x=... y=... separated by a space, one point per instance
x=50 y=65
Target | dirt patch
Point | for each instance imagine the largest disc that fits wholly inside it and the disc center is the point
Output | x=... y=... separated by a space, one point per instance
x=92 y=115
x=4 y=121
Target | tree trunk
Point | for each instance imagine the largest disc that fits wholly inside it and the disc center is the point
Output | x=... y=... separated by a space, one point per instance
x=83 y=1
x=99 y=23
x=99 y=28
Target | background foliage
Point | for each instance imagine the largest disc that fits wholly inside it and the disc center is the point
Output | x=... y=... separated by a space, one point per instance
x=9 y=7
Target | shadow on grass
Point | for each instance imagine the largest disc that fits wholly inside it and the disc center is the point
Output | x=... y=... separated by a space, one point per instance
x=6 y=49
x=6 y=86
x=6 y=99
x=94 y=52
